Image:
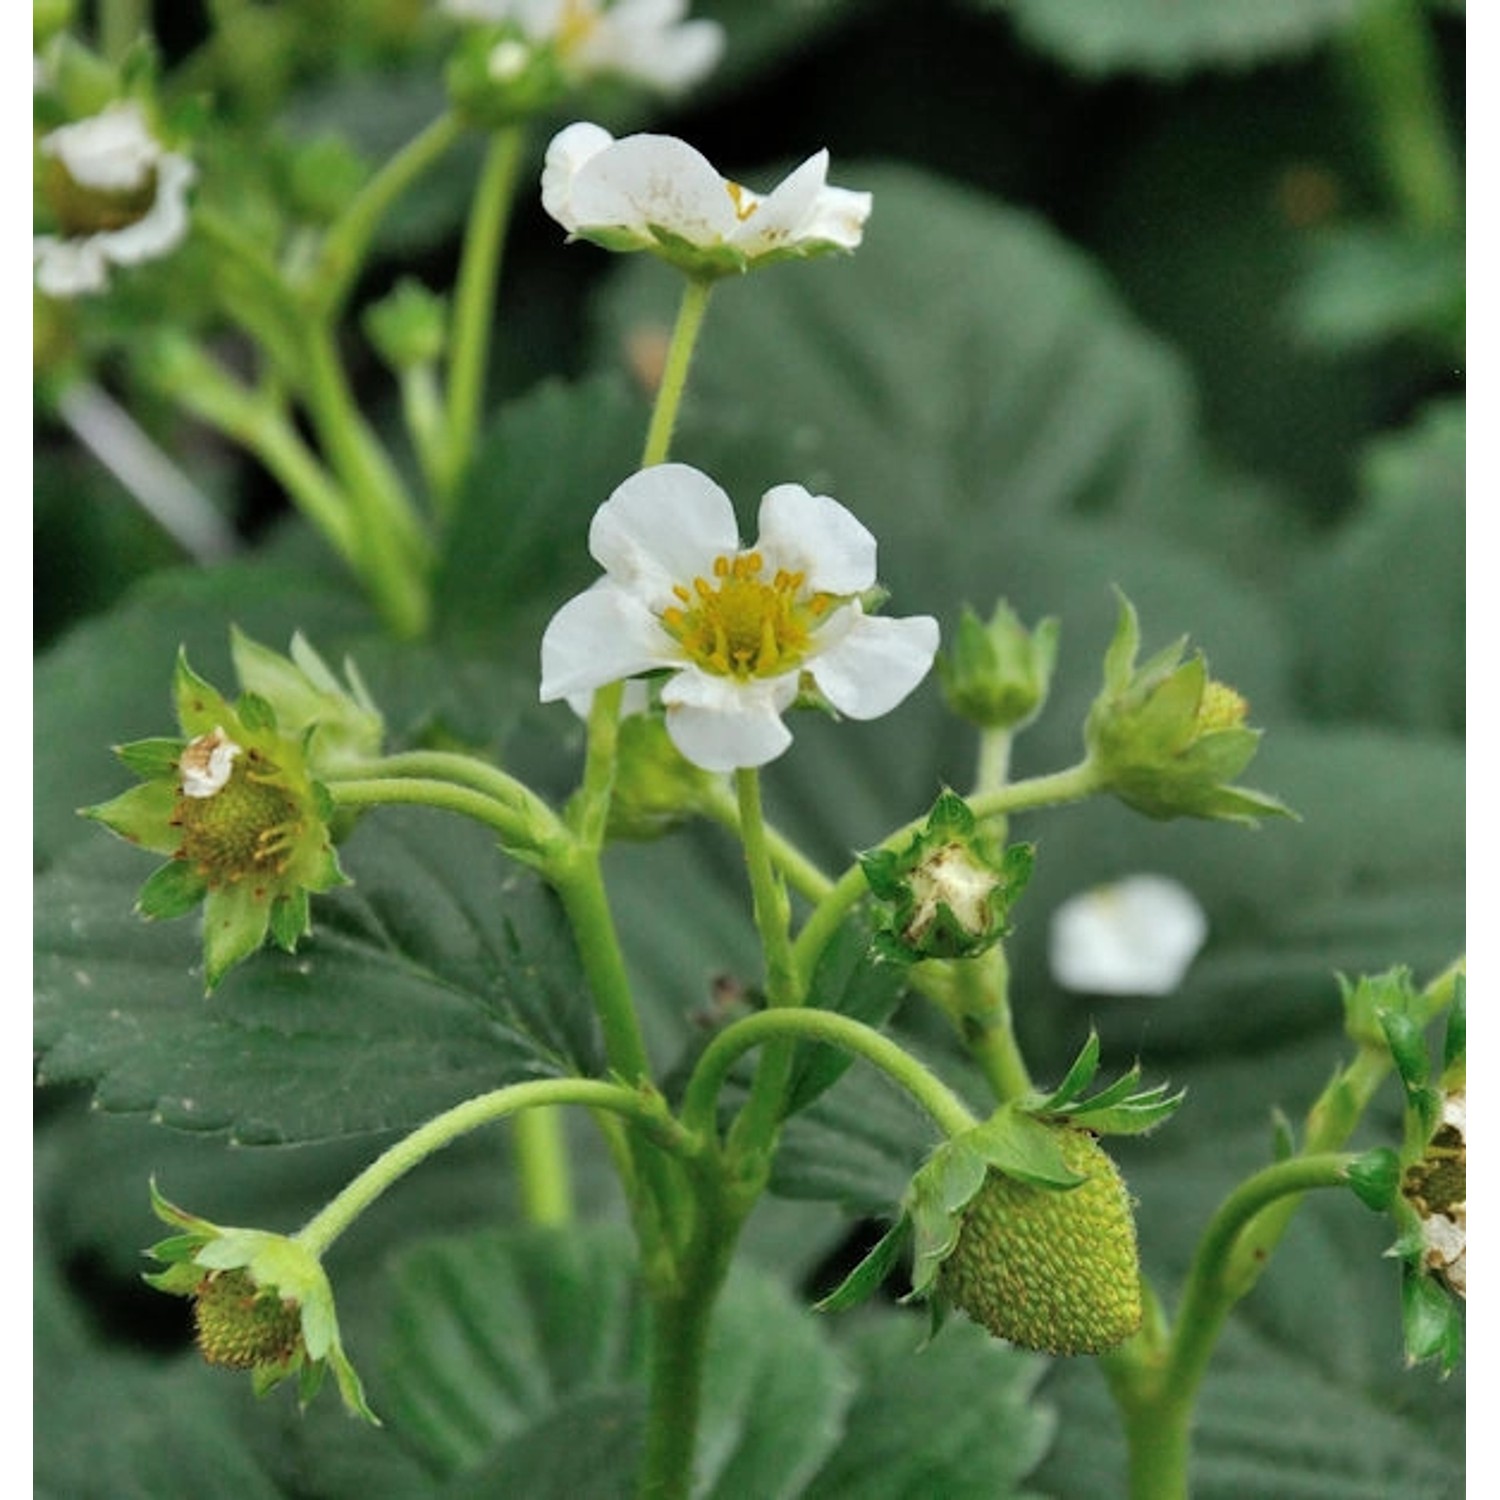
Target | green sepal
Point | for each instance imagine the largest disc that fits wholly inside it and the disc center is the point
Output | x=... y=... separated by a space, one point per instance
x=173 y=890
x=291 y=919
x=1369 y=996
x=1408 y=1045
x=1283 y=1135
x=151 y=758
x=1432 y=1325
x=1375 y=1177
x=1453 y=1035
x=201 y=708
x=256 y=714
x=864 y=1280
x=142 y=815
x=235 y=922
x=1020 y=1146
x=1078 y=1077
x=1118 y=1109
x=939 y=1190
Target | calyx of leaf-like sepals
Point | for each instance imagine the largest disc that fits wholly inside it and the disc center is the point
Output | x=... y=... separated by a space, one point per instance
x=234 y=806
x=948 y=892
x=1024 y=1222
x=261 y=1302
x=1167 y=739
x=997 y=675
x=498 y=76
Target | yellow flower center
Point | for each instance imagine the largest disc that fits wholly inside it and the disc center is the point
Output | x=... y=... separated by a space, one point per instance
x=743 y=625
x=1220 y=708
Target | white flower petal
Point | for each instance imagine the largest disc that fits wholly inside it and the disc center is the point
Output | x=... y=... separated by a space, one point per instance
x=873 y=662
x=836 y=218
x=164 y=227
x=69 y=268
x=653 y=180
x=569 y=150
x=597 y=637
x=779 y=216
x=111 y=152
x=722 y=724
x=647 y=40
x=663 y=526
x=1136 y=937
x=815 y=535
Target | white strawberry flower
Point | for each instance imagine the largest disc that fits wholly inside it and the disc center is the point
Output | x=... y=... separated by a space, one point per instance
x=657 y=193
x=118 y=198
x=648 y=41
x=1138 y=936
x=742 y=632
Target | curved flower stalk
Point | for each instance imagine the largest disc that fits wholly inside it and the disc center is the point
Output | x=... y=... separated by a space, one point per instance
x=743 y=633
x=644 y=41
x=657 y=193
x=116 y=196
x=1137 y=936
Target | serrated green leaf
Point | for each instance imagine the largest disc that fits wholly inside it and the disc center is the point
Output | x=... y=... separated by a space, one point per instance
x=498 y=1337
x=957 y=1417
x=441 y=973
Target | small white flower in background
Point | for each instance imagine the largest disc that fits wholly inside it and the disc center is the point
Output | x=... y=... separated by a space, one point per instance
x=1135 y=937
x=655 y=192
x=117 y=196
x=743 y=632
x=207 y=763
x=645 y=40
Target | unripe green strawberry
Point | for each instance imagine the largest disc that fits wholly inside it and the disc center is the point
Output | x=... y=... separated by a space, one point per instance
x=1046 y=1269
x=243 y=1326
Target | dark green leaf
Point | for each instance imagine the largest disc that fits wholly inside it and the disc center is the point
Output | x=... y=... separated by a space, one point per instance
x=442 y=972
x=954 y=1417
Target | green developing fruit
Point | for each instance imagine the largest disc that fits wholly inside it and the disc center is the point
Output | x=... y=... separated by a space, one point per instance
x=1047 y=1269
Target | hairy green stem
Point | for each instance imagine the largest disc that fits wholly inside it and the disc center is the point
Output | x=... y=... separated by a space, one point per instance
x=755 y=1131
x=646 y=1109
x=685 y=330
x=474 y=305
x=813 y=1025
x=799 y=872
x=347 y=241
x=517 y=834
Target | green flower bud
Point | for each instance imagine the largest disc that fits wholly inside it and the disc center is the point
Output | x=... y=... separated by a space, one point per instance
x=261 y=1302
x=997 y=675
x=948 y=893
x=1167 y=739
x=245 y=827
x=323 y=177
x=497 y=77
x=408 y=327
x=656 y=787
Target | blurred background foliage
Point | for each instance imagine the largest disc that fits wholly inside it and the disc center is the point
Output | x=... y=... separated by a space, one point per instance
x=1168 y=297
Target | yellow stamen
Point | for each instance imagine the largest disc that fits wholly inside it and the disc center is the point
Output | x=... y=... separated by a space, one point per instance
x=745 y=202
x=742 y=625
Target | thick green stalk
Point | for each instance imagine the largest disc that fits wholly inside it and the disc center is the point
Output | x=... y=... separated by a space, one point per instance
x=517 y=833
x=810 y=1024
x=755 y=1131
x=685 y=330
x=648 y=1110
x=347 y=241
x=474 y=305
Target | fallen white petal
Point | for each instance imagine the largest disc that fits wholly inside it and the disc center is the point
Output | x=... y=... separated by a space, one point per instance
x=1136 y=937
